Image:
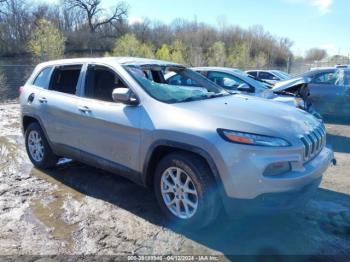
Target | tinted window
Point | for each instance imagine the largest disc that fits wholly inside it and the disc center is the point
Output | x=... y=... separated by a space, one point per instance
x=224 y=80
x=65 y=79
x=100 y=83
x=42 y=80
x=266 y=75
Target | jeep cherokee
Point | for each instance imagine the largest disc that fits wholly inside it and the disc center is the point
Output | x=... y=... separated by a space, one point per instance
x=198 y=146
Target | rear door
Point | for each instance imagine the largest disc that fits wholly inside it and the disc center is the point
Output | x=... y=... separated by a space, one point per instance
x=108 y=130
x=58 y=106
x=30 y=97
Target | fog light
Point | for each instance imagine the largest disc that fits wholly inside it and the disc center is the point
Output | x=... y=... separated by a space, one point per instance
x=278 y=168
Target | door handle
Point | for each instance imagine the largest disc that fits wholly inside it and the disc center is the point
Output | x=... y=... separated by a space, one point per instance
x=84 y=109
x=43 y=100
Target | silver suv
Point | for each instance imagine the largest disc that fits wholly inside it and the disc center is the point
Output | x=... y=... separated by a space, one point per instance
x=198 y=146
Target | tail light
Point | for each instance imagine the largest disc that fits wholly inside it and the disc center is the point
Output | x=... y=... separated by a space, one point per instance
x=20 y=90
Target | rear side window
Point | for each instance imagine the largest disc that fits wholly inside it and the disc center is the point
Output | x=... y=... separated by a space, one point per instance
x=253 y=73
x=266 y=75
x=65 y=79
x=42 y=80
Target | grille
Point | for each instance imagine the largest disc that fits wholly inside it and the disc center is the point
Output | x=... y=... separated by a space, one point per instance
x=314 y=142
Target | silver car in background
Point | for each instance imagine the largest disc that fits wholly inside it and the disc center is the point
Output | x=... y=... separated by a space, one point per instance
x=236 y=81
x=199 y=147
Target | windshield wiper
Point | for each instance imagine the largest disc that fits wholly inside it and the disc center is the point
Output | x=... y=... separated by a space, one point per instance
x=219 y=95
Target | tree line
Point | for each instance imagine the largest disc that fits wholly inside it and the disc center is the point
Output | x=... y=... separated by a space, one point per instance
x=49 y=31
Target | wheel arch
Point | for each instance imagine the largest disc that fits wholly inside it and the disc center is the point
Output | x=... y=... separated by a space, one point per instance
x=28 y=119
x=163 y=147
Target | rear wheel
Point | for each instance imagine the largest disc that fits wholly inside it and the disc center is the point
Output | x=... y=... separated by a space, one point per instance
x=185 y=190
x=38 y=149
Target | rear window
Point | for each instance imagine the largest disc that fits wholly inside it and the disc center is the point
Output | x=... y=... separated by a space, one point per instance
x=65 y=79
x=42 y=80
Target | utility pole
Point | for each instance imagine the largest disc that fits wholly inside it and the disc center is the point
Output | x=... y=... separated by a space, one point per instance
x=289 y=64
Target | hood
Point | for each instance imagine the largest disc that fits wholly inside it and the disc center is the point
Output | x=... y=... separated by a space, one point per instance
x=246 y=114
x=290 y=84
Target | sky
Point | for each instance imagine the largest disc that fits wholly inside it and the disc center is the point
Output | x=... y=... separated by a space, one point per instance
x=308 y=23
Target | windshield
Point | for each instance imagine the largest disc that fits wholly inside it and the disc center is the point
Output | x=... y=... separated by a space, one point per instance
x=193 y=86
x=279 y=74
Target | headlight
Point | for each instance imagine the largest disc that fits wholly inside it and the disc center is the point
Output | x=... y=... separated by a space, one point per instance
x=252 y=139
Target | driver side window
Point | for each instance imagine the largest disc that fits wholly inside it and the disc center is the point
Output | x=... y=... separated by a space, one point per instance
x=224 y=80
x=100 y=82
x=325 y=78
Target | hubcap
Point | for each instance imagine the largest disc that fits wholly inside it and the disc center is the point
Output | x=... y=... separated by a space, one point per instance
x=35 y=146
x=179 y=193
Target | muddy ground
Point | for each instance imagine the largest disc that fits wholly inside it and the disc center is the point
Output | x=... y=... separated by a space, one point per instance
x=77 y=209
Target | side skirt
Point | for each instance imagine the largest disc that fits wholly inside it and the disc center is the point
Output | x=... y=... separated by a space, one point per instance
x=98 y=162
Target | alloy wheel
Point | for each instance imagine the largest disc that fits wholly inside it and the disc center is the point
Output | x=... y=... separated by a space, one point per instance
x=179 y=193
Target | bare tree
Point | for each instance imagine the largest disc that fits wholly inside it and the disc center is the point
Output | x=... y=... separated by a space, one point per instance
x=315 y=54
x=94 y=13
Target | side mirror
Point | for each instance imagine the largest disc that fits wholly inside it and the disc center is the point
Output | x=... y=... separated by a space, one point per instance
x=244 y=88
x=125 y=96
x=275 y=78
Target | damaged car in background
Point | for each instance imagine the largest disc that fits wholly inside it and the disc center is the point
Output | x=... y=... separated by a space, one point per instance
x=329 y=91
x=293 y=92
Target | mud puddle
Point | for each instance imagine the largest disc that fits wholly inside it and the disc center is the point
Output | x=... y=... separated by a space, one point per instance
x=50 y=209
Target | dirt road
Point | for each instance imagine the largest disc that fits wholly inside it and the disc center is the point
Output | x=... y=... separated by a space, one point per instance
x=76 y=209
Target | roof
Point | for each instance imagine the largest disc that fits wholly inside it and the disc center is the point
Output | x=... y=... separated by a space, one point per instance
x=222 y=69
x=258 y=70
x=119 y=60
x=265 y=70
x=323 y=68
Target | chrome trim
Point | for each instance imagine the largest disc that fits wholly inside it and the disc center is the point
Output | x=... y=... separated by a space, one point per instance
x=313 y=142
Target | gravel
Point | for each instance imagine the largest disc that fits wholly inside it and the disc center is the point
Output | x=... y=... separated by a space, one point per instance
x=79 y=210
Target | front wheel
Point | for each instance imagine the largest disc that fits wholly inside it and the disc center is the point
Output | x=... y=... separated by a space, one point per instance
x=185 y=190
x=38 y=149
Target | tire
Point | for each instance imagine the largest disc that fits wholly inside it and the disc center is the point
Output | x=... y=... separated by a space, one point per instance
x=46 y=158
x=202 y=181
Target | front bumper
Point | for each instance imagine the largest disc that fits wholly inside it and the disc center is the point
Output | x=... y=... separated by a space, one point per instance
x=241 y=172
x=270 y=202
